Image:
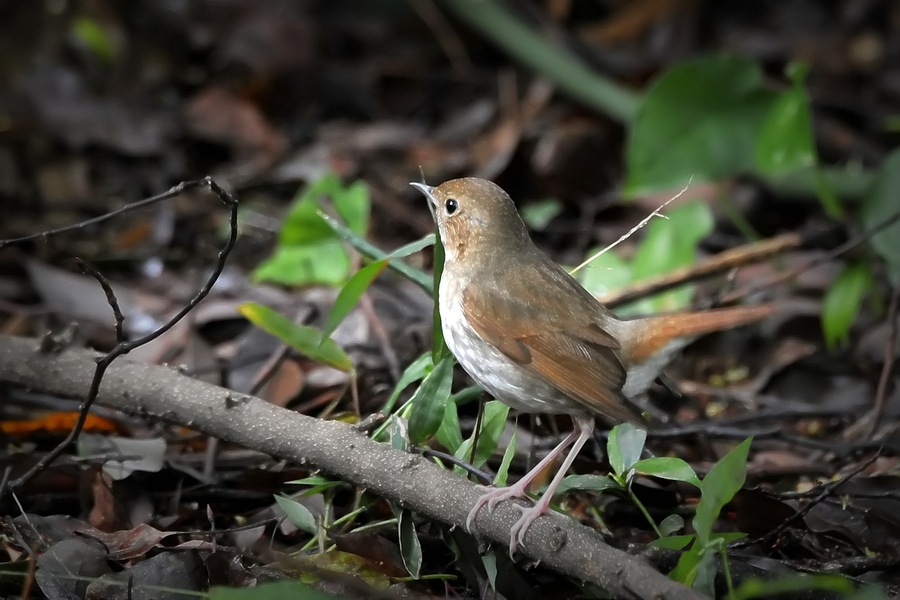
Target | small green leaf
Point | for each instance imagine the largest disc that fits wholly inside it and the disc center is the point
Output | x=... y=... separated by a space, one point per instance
x=624 y=447
x=842 y=303
x=719 y=486
x=350 y=295
x=590 y=483
x=449 y=434
x=325 y=263
x=270 y=591
x=430 y=401
x=352 y=204
x=673 y=542
x=879 y=205
x=90 y=33
x=413 y=247
x=671 y=524
x=510 y=452
x=492 y=426
x=700 y=119
x=537 y=215
x=770 y=588
x=667 y=467
x=686 y=570
x=439 y=348
x=368 y=249
x=302 y=338
x=410 y=547
x=297 y=514
x=414 y=372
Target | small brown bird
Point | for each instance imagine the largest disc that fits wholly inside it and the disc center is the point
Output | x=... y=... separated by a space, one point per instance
x=535 y=339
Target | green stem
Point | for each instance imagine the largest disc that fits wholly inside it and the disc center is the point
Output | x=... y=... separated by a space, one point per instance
x=646 y=514
x=566 y=70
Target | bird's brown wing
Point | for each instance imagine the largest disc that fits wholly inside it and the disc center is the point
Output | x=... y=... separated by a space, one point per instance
x=577 y=358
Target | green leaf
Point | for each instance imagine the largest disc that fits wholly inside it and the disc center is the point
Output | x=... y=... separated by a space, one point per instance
x=669 y=244
x=700 y=119
x=671 y=524
x=718 y=488
x=414 y=372
x=302 y=338
x=353 y=205
x=879 y=205
x=325 y=263
x=667 y=467
x=624 y=447
x=297 y=514
x=537 y=215
x=278 y=590
x=350 y=295
x=786 y=138
x=439 y=348
x=492 y=426
x=510 y=452
x=303 y=225
x=430 y=401
x=591 y=483
x=842 y=303
x=413 y=247
x=770 y=588
x=673 y=542
x=606 y=273
x=686 y=570
x=368 y=249
x=449 y=434
x=410 y=547
x=90 y=33
x=317 y=484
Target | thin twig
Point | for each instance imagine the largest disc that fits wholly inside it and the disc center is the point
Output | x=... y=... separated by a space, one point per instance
x=874 y=415
x=124 y=347
x=644 y=221
x=110 y=297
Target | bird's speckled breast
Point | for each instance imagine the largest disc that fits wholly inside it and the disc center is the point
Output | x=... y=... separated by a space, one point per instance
x=505 y=380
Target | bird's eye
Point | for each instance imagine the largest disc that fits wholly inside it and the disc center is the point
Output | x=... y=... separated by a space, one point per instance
x=451 y=206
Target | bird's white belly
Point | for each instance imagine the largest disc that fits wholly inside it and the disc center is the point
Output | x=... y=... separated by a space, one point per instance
x=506 y=381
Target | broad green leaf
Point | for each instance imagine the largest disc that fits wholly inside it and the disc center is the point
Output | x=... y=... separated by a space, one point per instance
x=430 y=401
x=786 y=139
x=700 y=119
x=591 y=483
x=492 y=426
x=448 y=434
x=508 y=454
x=718 y=488
x=669 y=244
x=303 y=225
x=667 y=467
x=325 y=262
x=606 y=273
x=350 y=295
x=410 y=547
x=368 y=249
x=297 y=514
x=352 y=204
x=624 y=447
x=842 y=303
x=302 y=338
x=686 y=570
x=278 y=590
x=414 y=372
x=673 y=542
x=879 y=205
x=537 y=215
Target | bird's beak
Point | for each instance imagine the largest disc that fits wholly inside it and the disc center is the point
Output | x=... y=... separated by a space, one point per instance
x=427 y=190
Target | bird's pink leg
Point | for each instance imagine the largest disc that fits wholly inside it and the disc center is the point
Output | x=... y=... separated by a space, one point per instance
x=517 y=490
x=584 y=428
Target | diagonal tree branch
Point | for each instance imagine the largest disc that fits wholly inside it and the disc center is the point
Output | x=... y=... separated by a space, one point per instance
x=410 y=480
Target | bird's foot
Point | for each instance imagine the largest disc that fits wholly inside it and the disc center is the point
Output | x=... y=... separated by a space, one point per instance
x=491 y=498
x=528 y=516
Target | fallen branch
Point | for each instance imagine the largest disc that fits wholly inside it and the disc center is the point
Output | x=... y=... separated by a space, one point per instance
x=163 y=393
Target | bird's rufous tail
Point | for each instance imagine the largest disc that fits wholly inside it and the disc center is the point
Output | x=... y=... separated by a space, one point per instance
x=658 y=331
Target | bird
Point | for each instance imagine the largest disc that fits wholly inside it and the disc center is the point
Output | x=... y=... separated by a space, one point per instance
x=532 y=337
